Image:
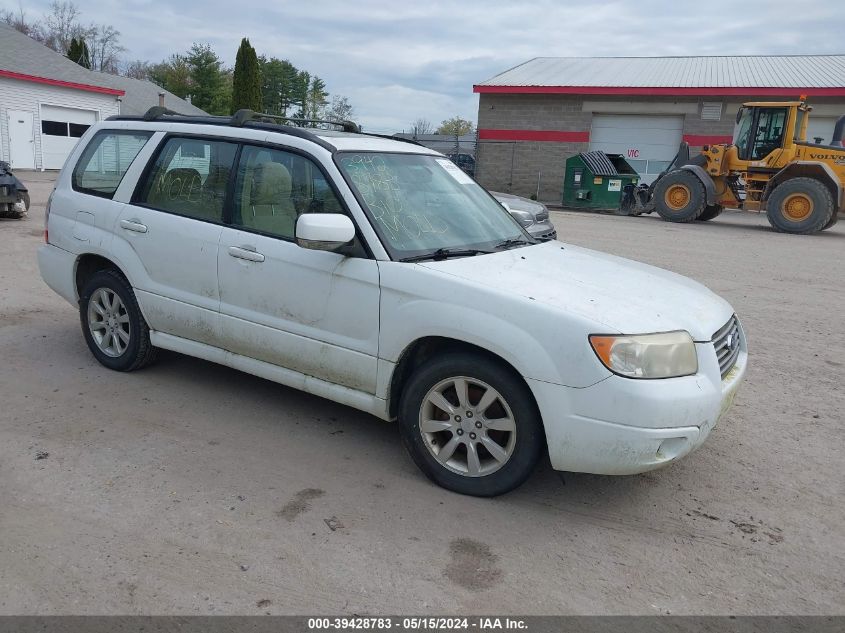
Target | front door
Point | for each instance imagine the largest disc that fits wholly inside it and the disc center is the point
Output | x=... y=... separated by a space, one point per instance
x=21 y=140
x=314 y=312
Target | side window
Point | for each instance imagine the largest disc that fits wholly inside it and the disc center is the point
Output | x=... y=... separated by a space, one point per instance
x=106 y=160
x=190 y=177
x=273 y=188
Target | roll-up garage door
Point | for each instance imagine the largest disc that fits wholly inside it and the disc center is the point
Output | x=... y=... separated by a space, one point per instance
x=820 y=127
x=60 y=130
x=647 y=142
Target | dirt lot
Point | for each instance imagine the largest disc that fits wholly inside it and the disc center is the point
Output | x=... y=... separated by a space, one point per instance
x=192 y=488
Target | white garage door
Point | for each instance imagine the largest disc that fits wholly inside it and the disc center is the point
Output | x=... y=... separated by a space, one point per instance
x=647 y=142
x=820 y=127
x=60 y=130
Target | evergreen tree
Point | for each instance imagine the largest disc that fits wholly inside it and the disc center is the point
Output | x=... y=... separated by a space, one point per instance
x=317 y=98
x=77 y=51
x=246 y=82
x=208 y=80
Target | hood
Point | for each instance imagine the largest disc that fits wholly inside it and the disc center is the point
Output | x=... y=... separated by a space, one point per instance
x=623 y=295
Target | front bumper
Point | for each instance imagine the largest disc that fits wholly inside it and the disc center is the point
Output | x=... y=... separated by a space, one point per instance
x=621 y=426
x=544 y=230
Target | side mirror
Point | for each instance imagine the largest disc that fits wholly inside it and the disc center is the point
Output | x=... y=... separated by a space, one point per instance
x=324 y=231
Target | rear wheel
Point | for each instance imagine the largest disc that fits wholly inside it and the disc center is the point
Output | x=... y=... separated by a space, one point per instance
x=680 y=196
x=800 y=205
x=710 y=211
x=470 y=424
x=834 y=218
x=112 y=323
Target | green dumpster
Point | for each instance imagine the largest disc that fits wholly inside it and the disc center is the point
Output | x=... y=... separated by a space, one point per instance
x=594 y=180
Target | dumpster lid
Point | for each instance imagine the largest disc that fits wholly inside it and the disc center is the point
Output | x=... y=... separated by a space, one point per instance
x=599 y=163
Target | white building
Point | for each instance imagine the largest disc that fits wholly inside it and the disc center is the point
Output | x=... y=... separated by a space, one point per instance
x=47 y=101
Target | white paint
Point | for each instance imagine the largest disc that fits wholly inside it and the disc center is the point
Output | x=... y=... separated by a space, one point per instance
x=646 y=141
x=55 y=149
x=338 y=326
x=28 y=96
x=21 y=139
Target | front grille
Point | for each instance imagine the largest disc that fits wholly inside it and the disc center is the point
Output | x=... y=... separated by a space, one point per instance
x=726 y=344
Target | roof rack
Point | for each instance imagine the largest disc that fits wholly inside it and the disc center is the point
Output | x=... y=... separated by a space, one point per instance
x=242 y=118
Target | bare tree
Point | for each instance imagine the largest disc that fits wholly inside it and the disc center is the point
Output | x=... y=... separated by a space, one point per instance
x=422 y=126
x=340 y=109
x=20 y=22
x=104 y=44
x=138 y=69
x=61 y=25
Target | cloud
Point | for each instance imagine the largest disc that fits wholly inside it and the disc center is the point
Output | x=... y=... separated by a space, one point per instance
x=400 y=61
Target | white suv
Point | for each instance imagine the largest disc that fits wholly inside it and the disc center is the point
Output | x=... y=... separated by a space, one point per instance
x=377 y=274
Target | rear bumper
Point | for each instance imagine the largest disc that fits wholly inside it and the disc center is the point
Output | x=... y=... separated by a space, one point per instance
x=621 y=426
x=58 y=269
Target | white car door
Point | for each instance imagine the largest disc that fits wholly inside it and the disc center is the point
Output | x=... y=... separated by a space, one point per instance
x=173 y=226
x=310 y=311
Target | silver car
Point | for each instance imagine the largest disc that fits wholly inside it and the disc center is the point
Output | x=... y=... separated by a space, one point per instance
x=533 y=216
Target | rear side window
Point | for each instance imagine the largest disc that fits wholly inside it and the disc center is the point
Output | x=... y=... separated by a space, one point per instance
x=105 y=161
x=190 y=178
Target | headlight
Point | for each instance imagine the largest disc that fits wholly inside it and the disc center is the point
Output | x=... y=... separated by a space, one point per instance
x=665 y=355
x=523 y=217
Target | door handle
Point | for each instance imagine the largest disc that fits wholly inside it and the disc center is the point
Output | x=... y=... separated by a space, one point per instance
x=133 y=225
x=246 y=253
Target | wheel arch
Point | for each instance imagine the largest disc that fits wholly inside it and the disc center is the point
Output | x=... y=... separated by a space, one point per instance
x=706 y=180
x=808 y=169
x=423 y=348
x=89 y=263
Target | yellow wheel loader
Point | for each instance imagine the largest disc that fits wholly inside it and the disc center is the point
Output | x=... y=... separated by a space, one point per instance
x=769 y=167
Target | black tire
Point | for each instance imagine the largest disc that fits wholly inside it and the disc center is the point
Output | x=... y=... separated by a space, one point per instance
x=680 y=196
x=834 y=218
x=525 y=444
x=139 y=351
x=710 y=211
x=801 y=206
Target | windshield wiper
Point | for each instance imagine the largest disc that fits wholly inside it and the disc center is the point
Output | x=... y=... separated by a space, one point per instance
x=514 y=241
x=443 y=253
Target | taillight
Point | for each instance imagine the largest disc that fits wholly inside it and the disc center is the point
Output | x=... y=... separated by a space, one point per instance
x=47 y=217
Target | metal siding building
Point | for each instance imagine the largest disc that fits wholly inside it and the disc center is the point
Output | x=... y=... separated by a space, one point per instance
x=535 y=115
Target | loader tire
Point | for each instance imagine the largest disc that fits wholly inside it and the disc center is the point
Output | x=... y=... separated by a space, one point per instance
x=834 y=218
x=711 y=211
x=680 y=196
x=801 y=206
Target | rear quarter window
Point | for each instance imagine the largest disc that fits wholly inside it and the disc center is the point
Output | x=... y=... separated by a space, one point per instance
x=105 y=161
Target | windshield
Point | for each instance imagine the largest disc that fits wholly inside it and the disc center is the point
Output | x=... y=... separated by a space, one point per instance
x=420 y=204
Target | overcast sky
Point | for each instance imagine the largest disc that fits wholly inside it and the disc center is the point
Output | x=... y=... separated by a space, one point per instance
x=397 y=61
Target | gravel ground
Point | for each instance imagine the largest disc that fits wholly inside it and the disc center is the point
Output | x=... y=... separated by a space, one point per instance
x=192 y=488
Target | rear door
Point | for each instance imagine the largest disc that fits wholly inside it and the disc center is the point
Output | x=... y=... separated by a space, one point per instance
x=314 y=312
x=173 y=226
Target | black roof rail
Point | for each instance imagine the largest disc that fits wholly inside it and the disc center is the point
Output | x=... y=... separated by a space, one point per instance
x=243 y=116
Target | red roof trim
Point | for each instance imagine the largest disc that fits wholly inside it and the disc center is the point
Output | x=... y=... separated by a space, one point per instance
x=662 y=91
x=64 y=84
x=704 y=139
x=533 y=135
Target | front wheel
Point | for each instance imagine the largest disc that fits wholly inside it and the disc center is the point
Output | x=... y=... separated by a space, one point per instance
x=470 y=424
x=680 y=196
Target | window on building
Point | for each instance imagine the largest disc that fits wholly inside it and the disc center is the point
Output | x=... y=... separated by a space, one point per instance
x=77 y=129
x=54 y=128
x=105 y=161
x=190 y=177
